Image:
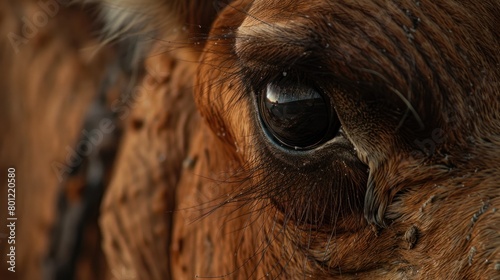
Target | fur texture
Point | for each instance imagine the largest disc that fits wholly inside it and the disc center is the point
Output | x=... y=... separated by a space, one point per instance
x=409 y=190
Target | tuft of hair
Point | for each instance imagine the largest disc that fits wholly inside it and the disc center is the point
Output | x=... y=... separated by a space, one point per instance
x=136 y=24
x=133 y=24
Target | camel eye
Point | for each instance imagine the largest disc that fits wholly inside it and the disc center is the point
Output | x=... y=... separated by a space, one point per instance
x=297 y=116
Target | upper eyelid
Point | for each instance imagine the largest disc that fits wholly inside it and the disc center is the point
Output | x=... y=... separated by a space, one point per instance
x=259 y=79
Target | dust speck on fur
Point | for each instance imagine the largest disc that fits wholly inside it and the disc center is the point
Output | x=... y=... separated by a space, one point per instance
x=427 y=202
x=497 y=266
x=472 y=252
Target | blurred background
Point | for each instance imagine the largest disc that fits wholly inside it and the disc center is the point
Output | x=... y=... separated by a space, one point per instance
x=55 y=84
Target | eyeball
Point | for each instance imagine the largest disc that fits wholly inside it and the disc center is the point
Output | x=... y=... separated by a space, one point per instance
x=297 y=115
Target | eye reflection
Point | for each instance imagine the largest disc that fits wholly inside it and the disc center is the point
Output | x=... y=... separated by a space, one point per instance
x=298 y=116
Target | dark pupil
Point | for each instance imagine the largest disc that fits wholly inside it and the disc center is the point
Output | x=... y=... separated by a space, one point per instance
x=296 y=115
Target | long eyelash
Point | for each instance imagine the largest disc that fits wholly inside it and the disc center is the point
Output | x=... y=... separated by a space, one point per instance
x=401 y=96
x=257 y=183
x=267 y=190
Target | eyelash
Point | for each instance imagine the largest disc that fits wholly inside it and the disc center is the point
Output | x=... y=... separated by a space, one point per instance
x=256 y=80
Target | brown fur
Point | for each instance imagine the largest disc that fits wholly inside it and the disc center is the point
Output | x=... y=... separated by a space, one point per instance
x=46 y=88
x=411 y=192
x=398 y=74
x=401 y=75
